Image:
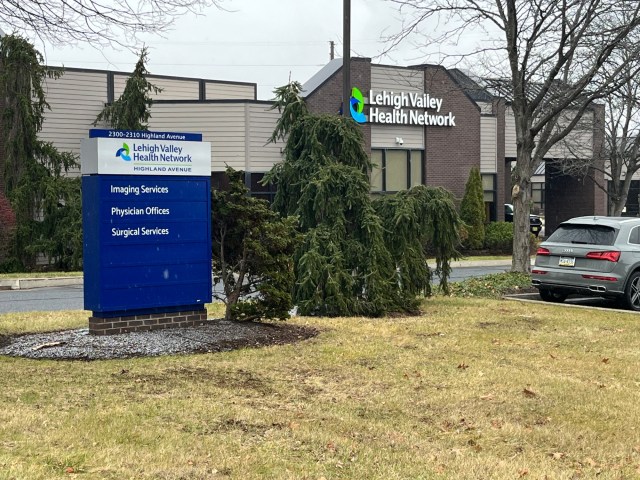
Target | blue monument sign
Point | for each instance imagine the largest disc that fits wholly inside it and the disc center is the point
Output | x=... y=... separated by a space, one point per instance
x=147 y=229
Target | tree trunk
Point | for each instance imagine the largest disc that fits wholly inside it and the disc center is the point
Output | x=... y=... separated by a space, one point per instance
x=521 y=199
x=617 y=205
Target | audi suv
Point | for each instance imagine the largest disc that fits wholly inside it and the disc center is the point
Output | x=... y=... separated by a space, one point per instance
x=593 y=256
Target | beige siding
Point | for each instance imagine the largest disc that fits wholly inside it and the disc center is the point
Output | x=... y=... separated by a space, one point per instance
x=260 y=126
x=579 y=143
x=485 y=108
x=510 y=148
x=221 y=124
x=488 y=144
x=75 y=99
x=384 y=136
x=230 y=91
x=396 y=79
x=172 y=89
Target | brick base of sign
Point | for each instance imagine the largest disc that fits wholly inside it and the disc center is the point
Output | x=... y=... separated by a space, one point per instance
x=151 y=321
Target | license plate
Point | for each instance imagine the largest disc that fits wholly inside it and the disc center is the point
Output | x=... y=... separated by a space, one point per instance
x=567 y=262
x=535 y=229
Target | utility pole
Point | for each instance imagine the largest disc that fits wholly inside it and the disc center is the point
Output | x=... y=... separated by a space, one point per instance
x=332 y=53
x=346 y=57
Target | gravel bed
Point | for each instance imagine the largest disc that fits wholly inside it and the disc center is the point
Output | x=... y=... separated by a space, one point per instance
x=215 y=336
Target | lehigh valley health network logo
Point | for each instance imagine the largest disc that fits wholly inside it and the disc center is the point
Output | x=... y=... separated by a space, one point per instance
x=356 y=106
x=124 y=153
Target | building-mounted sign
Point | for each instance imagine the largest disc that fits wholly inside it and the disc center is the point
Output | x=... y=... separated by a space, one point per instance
x=400 y=108
x=147 y=232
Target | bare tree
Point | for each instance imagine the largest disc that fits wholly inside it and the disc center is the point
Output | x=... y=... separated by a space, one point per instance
x=556 y=53
x=95 y=21
x=621 y=152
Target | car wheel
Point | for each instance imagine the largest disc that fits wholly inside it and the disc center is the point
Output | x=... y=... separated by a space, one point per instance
x=632 y=292
x=551 y=296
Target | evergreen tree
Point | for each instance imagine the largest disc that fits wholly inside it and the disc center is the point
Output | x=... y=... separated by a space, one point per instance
x=359 y=256
x=252 y=253
x=45 y=203
x=419 y=221
x=132 y=110
x=472 y=210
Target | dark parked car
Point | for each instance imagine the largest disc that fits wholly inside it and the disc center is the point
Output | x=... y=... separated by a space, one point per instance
x=594 y=256
x=535 y=222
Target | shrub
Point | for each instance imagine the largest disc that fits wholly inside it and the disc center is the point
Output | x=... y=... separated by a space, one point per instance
x=499 y=237
x=492 y=286
x=472 y=210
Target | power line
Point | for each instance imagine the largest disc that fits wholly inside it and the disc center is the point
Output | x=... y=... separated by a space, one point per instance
x=200 y=64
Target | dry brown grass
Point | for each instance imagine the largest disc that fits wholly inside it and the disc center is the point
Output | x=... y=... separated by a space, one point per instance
x=471 y=389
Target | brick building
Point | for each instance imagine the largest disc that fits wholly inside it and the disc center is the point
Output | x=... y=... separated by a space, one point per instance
x=429 y=125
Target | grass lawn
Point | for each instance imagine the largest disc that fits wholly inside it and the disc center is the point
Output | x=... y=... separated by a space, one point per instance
x=472 y=389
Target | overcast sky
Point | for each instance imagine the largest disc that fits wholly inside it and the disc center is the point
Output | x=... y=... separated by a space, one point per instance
x=261 y=41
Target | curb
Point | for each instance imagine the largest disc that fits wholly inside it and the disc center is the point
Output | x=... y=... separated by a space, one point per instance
x=28 y=283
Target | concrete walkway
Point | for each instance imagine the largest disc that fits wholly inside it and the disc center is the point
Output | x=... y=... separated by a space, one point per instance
x=27 y=283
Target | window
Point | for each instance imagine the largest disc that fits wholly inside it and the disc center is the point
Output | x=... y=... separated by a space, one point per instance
x=584 y=234
x=395 y=170
x=256 y=189
x=537 y=194
x=489 y=192
x=376 y=171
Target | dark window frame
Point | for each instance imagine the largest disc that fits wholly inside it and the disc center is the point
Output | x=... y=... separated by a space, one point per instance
x=493 y=205
x=383 y=168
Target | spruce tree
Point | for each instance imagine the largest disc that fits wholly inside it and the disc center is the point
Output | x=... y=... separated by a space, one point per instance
x=343 y=266
x=359 y=256
x=45 y=201
x=132 y=110
x=472 y=210
x=419 y=222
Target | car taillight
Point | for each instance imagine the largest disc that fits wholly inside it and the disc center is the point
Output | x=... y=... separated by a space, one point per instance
x=539 y=272
x=600 y=277
x=543 y=251
x=611 y=256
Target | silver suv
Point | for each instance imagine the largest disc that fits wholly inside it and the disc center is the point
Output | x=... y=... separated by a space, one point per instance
x=596 y=256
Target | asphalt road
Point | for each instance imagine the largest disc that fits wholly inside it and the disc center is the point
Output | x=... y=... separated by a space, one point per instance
x=42 y=299
x=71 y=297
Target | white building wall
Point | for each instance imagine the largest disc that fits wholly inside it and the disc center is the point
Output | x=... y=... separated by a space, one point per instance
x=579 y=143
x=384 y=136
x=75 y=99
x=396 y=80
x=230 y=91
x=222 y=124
x=488 y=144
x=172 y=89
x=510 y=148
x=261 y=123
x=486 y=108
